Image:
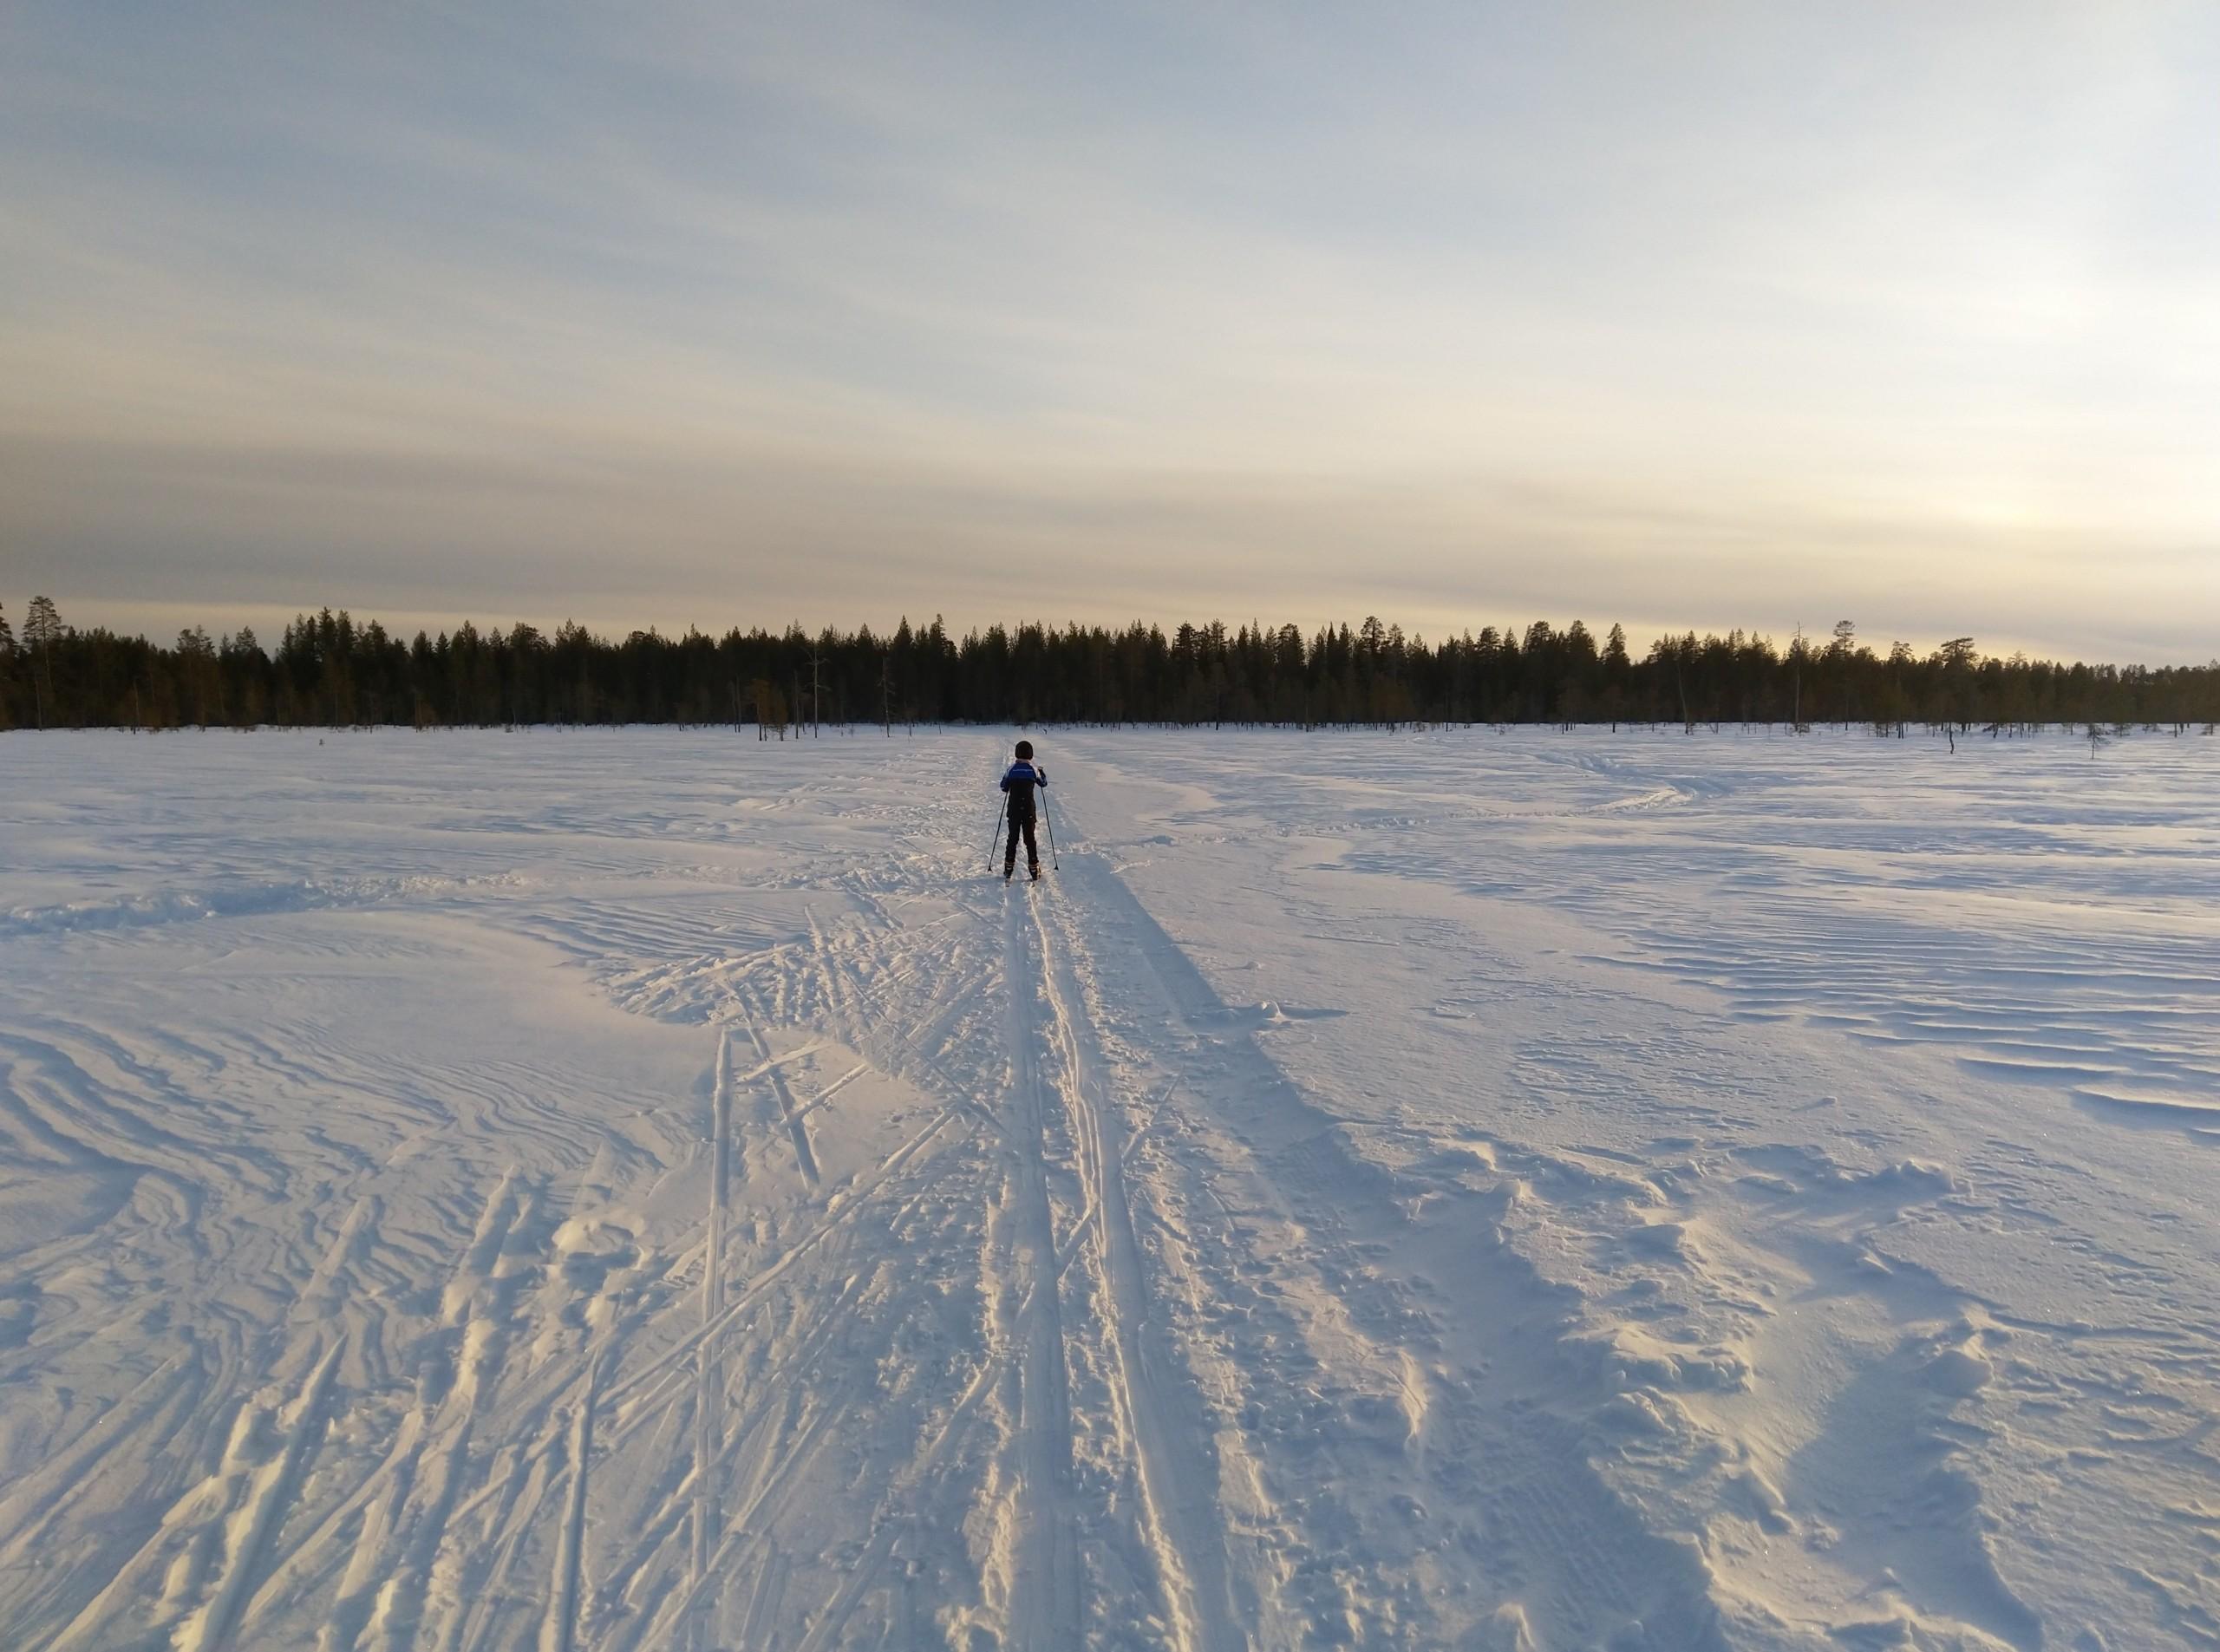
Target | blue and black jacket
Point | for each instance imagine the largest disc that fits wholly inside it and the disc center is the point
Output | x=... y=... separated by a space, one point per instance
x=1019 y=783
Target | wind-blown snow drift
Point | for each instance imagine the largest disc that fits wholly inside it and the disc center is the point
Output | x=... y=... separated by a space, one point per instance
x=641 y=1189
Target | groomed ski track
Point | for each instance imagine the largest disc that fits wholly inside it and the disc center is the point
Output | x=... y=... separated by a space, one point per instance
x=699 y=1206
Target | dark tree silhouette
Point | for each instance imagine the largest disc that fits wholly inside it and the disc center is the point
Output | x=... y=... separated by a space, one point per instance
x=328 y=670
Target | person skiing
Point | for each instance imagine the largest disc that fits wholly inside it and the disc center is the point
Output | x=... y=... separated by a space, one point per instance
x=1019 y=782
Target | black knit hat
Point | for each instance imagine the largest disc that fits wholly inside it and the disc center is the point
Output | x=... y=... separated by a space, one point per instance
x=1025 y=749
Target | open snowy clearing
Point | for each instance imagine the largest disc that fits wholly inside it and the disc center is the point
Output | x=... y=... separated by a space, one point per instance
x=650 y=1189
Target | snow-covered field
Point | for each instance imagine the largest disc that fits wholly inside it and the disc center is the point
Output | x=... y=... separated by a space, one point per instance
x=651 y=1188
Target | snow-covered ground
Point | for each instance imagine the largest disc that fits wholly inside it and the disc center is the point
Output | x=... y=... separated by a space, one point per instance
x=651 y=1188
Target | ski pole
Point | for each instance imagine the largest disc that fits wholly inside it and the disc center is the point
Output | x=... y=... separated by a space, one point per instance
x=1049 y=821
x=994 y=845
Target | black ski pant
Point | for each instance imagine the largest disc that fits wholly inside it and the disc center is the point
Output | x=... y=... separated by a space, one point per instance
x=1022 y=822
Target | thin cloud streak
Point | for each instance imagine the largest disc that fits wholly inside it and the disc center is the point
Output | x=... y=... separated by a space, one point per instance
x=760 y=544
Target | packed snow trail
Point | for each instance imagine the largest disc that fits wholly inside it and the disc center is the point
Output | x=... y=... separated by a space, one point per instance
x=1043 y=1586
x=1171 y=1448
x=640 y=1191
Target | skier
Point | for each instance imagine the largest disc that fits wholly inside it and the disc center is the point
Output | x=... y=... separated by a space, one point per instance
x=1019 y=783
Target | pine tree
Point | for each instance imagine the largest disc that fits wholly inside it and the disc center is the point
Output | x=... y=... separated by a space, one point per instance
x=43 y=633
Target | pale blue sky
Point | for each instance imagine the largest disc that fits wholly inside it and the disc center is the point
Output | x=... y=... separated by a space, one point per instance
x=1702 y=314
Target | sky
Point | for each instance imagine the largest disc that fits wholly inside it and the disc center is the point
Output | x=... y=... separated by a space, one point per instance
x=1694 y=315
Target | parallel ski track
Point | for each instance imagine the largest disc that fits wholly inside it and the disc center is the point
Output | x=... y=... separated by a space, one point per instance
x=718 y=1551
x=708 y=1392
x=559 y=1631
x=749 y=1543
x=1171 y=1443
x=797 y=1130
x=778 y=1268
x=1045 y=1605
x=446 y=1534
x=237 y=1510
x=248 y=1532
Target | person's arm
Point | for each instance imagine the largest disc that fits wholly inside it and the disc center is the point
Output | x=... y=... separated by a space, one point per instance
x=1005 y=779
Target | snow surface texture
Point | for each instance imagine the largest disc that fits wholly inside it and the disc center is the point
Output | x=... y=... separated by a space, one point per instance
x=630 y=1190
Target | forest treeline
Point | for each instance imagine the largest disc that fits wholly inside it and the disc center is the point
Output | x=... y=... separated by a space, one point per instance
x=328 y=668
